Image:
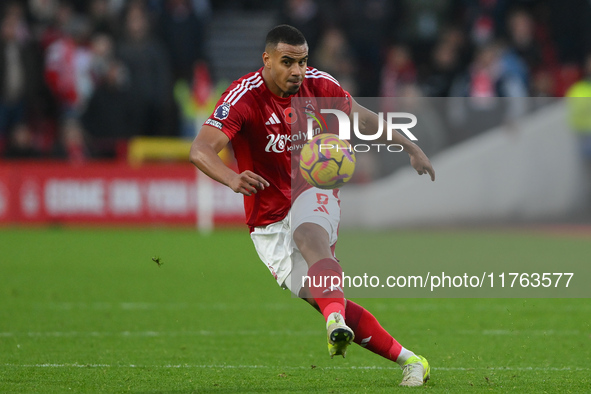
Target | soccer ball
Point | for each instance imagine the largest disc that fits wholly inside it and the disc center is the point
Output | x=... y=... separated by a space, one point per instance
x=327 y=162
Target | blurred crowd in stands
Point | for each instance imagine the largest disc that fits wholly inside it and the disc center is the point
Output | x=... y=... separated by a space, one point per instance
x=79 y=78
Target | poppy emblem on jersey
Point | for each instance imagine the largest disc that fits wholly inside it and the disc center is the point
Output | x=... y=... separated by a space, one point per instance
x=290 y=115
x=222 y=111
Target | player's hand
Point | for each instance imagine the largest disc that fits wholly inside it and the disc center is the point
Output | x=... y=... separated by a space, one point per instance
x=248 y=183
x=420 y=162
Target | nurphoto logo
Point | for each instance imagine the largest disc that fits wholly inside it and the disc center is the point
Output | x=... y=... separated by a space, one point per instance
x=345 y=130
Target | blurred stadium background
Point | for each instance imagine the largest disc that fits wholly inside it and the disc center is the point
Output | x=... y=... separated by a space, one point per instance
x=99 y=98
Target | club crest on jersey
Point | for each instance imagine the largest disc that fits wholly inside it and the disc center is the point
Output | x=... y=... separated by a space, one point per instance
x=222 y=111
x=309 y=108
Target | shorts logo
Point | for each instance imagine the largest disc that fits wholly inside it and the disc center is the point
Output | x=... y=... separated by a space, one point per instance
x=222 y=111
x=322 y=200
x=321 y=208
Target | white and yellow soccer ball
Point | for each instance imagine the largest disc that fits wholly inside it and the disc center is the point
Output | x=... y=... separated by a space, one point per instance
x=327 y=162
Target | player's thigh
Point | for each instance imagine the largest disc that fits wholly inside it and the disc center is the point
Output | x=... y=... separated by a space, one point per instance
x=321 y=207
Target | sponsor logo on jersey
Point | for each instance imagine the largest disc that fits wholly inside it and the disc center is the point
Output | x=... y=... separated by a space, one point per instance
x=279 y=143
x=214 y=123
x=276 y=143
x=222 y=111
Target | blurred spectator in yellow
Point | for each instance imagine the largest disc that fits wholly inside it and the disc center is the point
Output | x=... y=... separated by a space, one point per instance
x=196 y=98
x=579 y=105
x=580 y=111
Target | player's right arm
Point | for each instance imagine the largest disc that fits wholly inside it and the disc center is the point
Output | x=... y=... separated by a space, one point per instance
x=204 y=155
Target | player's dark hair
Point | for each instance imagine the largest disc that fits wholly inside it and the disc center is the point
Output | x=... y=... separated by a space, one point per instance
x=284 y=34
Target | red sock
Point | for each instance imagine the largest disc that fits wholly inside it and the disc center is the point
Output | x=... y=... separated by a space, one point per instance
x=325 y=289
x=370 y=334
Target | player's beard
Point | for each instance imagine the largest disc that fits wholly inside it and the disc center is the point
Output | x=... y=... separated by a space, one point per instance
x=293 y=89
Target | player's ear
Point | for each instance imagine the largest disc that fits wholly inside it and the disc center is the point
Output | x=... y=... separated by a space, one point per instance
x=266 y=59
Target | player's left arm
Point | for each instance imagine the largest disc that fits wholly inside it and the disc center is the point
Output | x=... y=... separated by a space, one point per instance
x=368 y=120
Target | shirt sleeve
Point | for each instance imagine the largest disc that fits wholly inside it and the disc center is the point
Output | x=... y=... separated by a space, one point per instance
x=331 y=88
x=227 y=117
x=346 y=103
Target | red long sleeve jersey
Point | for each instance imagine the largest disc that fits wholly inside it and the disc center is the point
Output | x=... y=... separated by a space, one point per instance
x=266 y=131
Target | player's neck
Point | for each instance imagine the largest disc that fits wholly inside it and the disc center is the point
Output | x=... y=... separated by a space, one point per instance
x=272 y=86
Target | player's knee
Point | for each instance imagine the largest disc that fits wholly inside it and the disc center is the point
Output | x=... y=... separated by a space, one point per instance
x=299 y=237
x=310 y=236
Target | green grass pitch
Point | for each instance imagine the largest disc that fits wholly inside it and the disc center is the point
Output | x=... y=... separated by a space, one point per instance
x=88 y=310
